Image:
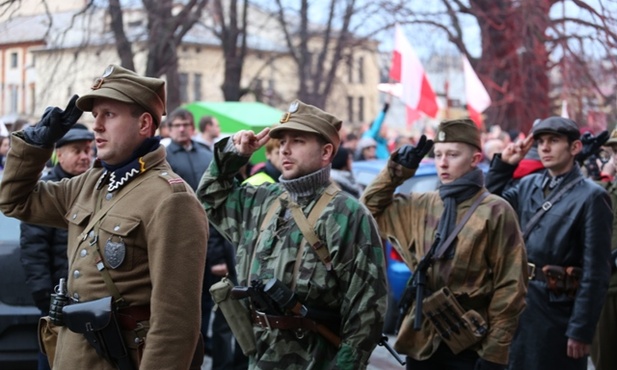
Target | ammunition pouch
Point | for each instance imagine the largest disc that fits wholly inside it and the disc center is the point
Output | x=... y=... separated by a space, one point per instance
x=459 y=328
x=48 y=338
x=96 y=320
x=237 y=315
x=562 y=280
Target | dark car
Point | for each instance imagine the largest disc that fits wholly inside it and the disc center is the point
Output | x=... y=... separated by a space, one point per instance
x=18 y=315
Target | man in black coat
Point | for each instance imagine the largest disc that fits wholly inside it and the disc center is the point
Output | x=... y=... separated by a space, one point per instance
x=43 y=248
x=567 y=223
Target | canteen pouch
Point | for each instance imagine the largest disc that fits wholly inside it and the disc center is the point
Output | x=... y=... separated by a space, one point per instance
x=96 y=320
x=458 y=328
x=236 y=314
x=48 y=338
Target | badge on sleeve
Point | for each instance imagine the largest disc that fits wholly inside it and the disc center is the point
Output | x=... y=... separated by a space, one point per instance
x=114 y=253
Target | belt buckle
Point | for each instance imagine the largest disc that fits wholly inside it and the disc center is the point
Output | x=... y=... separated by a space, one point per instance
x=531 y=268
x=263 y=317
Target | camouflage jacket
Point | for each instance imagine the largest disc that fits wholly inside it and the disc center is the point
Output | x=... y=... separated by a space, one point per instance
x=489 y=263
x=357 y=291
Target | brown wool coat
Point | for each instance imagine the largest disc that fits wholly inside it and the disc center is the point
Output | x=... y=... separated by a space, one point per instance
x=165 y=231
x=489 y=264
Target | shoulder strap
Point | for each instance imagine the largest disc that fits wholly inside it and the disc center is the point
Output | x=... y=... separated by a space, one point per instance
x=307 y=226
x=444 y=247
x=554 y=198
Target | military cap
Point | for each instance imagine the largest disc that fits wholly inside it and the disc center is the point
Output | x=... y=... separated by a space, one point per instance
x=556 y=125
x=126 y=86
x=307 y=118
x=612 y=140
x=459 y=131
x=78 y=132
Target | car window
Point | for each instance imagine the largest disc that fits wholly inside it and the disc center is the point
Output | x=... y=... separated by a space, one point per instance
x=9 y=228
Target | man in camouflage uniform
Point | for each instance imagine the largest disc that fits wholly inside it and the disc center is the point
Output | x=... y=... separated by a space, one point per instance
x=354 y=289
x=485 y=267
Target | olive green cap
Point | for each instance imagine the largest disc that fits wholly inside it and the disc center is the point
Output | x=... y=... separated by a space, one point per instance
x=126 y=86
x=308 y=118
x=459 y=131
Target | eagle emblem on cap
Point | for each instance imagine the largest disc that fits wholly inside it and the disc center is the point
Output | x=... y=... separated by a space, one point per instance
x=293 y=107
x=98 y=82
x=441 y=136
x=107 y=71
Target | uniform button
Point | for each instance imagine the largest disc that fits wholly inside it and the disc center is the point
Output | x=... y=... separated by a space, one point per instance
x=109 y=196
x=83 y=253
x=74 y=216
x=117 y=227
x=91 y=234
x=164 y=173
x=76 y=274
x=76 y=296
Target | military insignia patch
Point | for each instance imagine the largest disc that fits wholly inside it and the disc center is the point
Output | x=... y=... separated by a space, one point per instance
x=441 y=136
x=114 y=253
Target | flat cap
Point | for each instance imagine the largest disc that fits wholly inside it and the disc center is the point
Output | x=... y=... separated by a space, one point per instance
x=459 y=131
x=307 y=118
x=78 y=132
x=557 y=125
x=126 y=86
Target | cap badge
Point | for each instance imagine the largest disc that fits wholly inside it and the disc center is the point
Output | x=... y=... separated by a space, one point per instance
x=285 y=117
x=441 y=136
x=293 y=107
x=100 y=80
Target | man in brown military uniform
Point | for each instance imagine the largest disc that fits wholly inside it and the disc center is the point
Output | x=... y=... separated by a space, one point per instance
x=484 y=267
x=123 y=218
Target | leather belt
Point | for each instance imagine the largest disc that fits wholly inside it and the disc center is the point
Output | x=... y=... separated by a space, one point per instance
x=265 y=321
x=129 y=317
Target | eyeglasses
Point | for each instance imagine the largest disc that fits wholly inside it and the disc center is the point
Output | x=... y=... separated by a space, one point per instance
x=178 y=125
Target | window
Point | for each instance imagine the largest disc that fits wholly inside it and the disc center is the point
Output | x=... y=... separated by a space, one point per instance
x=13 y=60
x=183 y=81
x=361 y=71
x=13 y=99
x=197 y=87
x=350 y=69
x=361 y=109
x=350 y=108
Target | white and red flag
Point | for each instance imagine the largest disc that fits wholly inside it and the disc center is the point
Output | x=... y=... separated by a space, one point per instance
x=477 y=96
x=417 y=93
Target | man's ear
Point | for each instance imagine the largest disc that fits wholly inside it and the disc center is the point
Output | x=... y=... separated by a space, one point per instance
x=576 y=147
x=147 y=127
x=327 y=153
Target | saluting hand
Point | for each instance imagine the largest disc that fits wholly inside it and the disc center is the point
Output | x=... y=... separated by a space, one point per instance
x=515 y=152
x=247 y=142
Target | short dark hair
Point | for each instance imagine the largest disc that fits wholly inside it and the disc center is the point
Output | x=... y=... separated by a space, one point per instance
x=204 y=122
x=180 y=113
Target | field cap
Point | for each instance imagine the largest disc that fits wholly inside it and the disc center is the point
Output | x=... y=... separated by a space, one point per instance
x=557 y=125
x=126 y=86
x=459 y=131
x=78 y=132
x=307 y=118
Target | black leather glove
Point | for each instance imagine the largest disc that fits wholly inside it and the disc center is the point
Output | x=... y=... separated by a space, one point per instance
x=410 y=156
x=482 y=364
x=54 y=123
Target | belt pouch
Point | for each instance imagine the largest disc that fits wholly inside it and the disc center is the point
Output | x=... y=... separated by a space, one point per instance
x=96 y=320
x=236 y=314
x=458 y=328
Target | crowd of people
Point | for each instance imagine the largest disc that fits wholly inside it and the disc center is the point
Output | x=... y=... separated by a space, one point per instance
x=150 y=210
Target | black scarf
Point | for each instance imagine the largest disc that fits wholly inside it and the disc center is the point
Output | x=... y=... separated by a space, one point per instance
x=120 y=174
x=452 y=195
